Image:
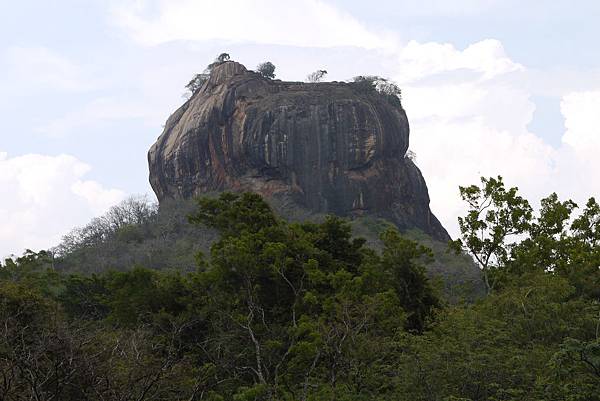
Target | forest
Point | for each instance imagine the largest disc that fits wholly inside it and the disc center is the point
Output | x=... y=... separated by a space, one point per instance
x=299 y=310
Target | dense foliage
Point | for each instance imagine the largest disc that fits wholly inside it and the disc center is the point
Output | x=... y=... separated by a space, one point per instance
x=508 y=241
x=136 y=232
x=304 y=311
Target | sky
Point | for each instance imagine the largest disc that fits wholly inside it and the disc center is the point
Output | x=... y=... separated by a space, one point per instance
x=491 y=87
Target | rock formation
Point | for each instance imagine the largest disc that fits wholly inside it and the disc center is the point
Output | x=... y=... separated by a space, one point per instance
x=329 y=147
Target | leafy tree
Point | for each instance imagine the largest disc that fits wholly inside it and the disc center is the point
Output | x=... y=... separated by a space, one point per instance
x=266 y=69
x=583 y=252
x=196 y=82
x=223 y=57
x=306 y=299
x=507 y=240
x=41 y=357
x=25 y=267
x=402 y=261
x=233 y=214
x=575 y=371
x=495 y=216
x=136 y=295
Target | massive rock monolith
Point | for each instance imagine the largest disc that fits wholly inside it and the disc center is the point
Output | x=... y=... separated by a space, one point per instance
x=330 y=147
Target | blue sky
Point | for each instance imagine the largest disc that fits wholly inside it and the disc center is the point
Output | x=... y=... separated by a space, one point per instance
x=490 y=87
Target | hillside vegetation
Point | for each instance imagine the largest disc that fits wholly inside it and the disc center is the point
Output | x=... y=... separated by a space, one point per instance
x=138 y=233
x=279 y=310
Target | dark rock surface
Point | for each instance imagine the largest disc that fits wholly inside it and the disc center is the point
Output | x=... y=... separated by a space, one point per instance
x=323 y=147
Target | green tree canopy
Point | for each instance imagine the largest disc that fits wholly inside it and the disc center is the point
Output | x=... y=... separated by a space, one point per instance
x=266 y=69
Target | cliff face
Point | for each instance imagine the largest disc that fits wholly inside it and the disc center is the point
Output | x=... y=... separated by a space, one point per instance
x=326 y=147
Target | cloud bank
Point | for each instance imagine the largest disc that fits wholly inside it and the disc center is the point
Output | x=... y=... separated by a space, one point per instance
x=43 y=197
x=469 y=125
x=310 y=23
x=39 y=68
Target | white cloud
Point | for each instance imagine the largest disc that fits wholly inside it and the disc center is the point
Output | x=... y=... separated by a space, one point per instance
x=475 y=126
x=310 y=23
x=98 y=110
x=432 y=8
x=582 y=120
x=42 y=68
x=580 y=164
x=43 y=197
x=420 y=60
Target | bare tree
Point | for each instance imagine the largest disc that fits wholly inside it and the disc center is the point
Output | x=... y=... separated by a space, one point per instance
x=199 y=79
x=135 y=210
x=196 y=83
x=316 y=76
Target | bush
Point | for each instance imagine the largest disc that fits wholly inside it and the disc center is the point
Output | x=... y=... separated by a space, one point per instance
x=266 y=69
x=368 y=83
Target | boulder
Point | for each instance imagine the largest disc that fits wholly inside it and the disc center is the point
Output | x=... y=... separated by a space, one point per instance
x=330 y=147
